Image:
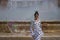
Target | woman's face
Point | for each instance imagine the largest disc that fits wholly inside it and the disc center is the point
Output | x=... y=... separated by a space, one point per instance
x=36 y=16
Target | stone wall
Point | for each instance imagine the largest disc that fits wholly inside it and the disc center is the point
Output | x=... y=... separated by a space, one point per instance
x=47 y=26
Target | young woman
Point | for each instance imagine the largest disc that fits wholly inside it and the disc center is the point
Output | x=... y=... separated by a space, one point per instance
x=36 y=28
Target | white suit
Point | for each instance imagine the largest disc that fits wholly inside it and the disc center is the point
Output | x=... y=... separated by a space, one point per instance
x=36 y=30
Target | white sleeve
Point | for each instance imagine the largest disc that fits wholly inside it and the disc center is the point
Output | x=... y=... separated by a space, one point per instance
x=31 y=30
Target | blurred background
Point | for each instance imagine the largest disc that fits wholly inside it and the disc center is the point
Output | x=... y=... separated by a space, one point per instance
x=15 y=17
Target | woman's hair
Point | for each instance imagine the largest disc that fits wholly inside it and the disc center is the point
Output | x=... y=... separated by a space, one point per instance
x=36 y=13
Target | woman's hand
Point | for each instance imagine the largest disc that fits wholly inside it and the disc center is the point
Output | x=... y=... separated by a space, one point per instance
x=33 y=36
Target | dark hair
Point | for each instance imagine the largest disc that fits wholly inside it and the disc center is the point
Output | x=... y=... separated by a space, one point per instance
x=36 y=13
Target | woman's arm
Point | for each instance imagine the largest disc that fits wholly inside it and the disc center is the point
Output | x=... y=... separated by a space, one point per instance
x=31 y=28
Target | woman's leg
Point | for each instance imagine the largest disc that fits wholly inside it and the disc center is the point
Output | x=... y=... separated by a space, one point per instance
x=38 y=38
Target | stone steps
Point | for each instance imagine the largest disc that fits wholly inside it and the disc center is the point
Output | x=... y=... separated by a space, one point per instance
x=28 y=38
x=17 y=36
